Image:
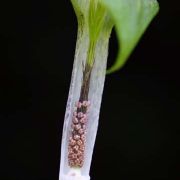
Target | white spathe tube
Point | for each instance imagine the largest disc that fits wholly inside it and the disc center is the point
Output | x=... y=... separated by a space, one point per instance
x=94 y=96
x=74 y=174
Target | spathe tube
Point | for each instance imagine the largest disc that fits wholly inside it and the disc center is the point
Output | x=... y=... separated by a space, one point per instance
x=96 y=86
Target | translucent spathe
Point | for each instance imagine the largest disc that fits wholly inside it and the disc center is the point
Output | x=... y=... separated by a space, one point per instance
x=95 y=96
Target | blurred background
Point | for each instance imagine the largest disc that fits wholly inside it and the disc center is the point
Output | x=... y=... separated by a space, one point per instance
x=138 y=135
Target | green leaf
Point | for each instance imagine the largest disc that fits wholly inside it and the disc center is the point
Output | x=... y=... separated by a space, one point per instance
x=131 y=18
x=96 y=19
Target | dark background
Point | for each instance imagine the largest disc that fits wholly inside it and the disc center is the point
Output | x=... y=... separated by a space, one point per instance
x=139 y=121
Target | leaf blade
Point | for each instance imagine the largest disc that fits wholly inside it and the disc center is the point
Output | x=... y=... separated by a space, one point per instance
x=131 y=18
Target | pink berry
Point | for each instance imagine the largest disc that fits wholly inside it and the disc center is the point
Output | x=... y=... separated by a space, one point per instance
x=85 y=116
x=80 y=115
x=88 y=103
x=77 y=161
x=83 y=120
x=83 y=137
x=77 y=127
x=79 y=105
x=76 y=148
x=76 y=137
x=75 y=120
x=84 y=103
x=84 y=127
x=72 y=142
x=82 y=148
x=79 y=142
x=81 y=131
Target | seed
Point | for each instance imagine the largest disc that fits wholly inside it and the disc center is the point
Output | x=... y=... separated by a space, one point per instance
x=84 y=116
x=79 y=104
x=80 y=115
x=80 y=153
x=79 y=142
x=77 y=161
x=74 y=156
x=75 y=120
x=76 y=137
x=83 y=126
x=76 y=148
x=86 y=103
x=83 y=137
x=71 y=163
x=77 y=127
x=83 y=120
x=72 y=142
x=81 y=131
x=81 y=158
x=82 y=148
x=81 y=163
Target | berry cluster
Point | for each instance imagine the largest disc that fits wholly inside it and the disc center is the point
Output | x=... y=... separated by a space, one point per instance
x=77 y=138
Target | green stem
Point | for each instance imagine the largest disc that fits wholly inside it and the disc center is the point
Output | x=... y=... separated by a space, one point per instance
x=90 y=53
x=87 y=71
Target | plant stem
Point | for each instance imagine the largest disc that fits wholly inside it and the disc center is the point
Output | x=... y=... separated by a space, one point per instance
x=87 y=73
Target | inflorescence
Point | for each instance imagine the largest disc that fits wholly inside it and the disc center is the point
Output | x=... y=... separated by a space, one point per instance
x=77 y=138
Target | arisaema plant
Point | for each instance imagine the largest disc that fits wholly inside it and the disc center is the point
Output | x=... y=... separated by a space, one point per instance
x=96 y=18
